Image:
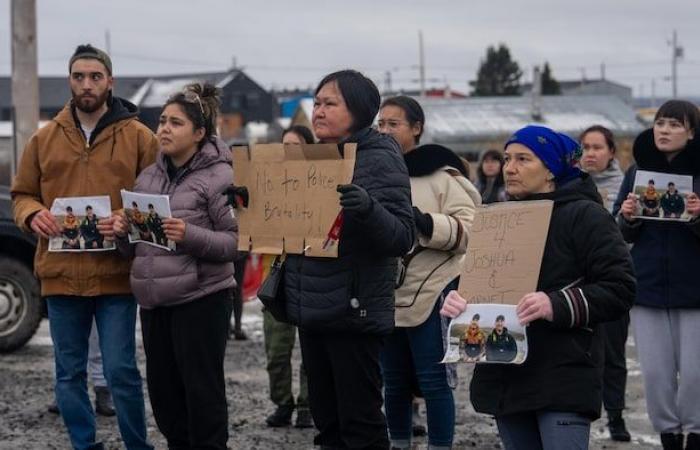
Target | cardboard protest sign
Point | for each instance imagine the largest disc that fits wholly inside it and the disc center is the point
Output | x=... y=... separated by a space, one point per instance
x=293 y=199
x=504 y=253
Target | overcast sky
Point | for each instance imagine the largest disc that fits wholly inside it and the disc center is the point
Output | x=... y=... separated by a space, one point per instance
x=282 y=43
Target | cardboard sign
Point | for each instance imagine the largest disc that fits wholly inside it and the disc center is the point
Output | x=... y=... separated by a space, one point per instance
x=293 y=198
x=504 y=254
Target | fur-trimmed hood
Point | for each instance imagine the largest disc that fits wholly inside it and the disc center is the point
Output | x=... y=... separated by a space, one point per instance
x=429 y=158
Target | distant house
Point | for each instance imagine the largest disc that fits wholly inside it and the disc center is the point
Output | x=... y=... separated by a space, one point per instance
x=470 y=126
x=589 y=87
x=243 y=100
x=54 y=93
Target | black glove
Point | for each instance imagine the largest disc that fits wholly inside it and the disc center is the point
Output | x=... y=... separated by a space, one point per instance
x=237 y=196
x=424 y=222
x=354 y=198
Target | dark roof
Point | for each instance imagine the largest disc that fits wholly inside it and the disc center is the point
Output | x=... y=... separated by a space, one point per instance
x=573 y=84
x=54 y=91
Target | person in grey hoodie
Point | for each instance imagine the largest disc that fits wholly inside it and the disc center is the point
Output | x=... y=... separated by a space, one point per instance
x=185 y=294
x=599 y=161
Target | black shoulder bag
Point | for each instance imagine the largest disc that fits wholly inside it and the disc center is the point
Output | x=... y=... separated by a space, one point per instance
x=271 y=292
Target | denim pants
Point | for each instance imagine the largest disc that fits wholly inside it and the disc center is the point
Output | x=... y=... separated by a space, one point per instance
x=70 y=321
x=545 y=430
x=412 y=355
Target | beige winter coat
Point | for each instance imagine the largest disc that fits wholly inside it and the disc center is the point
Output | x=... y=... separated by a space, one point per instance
x=451 y=200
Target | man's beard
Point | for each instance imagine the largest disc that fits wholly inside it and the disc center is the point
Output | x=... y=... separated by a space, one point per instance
x=90 y=103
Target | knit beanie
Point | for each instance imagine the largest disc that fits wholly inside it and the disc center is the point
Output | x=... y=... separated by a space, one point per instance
x=90 y=52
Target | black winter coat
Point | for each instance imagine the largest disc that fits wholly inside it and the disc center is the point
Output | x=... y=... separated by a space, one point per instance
x=666 y=254
x=355 y=292
x=587 y=273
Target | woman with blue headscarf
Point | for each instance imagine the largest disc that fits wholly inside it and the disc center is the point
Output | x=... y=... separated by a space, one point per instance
x=586 y=278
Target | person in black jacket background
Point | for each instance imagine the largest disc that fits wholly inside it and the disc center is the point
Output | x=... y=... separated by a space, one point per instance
x=345 y=306
x=586 y=278
x=666 y=254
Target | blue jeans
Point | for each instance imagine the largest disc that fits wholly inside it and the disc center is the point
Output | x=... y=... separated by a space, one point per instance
x=546 y=430
x=411 y=358
x=70 y=320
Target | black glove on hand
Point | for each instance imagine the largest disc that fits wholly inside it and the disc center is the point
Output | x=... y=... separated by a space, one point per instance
x=354 y=198
x=237 y=196
x=424 y=222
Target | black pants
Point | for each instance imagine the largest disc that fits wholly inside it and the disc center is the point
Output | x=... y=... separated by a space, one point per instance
x=345 y=389
x=185 y=347
x=239 y=267
x=615 y=368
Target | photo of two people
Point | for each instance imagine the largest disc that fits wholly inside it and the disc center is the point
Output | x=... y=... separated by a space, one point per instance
x=78 y=218
x=486 y=333
x=662 y=195
x=145 y=214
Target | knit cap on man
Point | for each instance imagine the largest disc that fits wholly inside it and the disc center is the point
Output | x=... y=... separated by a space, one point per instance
x=87 y=51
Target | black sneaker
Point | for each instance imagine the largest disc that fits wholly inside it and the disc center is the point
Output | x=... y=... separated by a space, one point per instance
x=53 y=408
x=103 y=402
x=672 y=441
x=282 y=417
x=616 y=425
x=304 y=419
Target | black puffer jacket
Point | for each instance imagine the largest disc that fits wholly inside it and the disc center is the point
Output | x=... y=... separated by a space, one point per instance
x=666 y=254
x=321 y=292
x=587 y=273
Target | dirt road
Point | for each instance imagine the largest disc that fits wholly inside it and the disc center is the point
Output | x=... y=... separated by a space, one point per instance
x=26 y=388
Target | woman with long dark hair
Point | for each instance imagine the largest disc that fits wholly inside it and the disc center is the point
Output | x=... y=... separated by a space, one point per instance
x=666 y=254
x=489 y=177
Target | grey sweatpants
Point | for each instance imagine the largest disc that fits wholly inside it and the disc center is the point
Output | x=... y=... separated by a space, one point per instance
x=668 y=348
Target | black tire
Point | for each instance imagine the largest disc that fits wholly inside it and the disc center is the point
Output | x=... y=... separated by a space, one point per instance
x=20 y=304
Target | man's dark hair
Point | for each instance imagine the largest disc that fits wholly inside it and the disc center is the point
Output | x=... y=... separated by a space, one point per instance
x=671 y=183
x=88 y=207
x=412 y=109
x=360 y=94
x=500 y=318
x=134 y=204
x=69 y=209
x=150 y=205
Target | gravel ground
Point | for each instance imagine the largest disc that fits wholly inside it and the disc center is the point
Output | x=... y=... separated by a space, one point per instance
x=26 y=390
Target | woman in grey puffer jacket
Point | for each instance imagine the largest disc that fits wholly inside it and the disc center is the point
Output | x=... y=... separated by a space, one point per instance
x=185 y=294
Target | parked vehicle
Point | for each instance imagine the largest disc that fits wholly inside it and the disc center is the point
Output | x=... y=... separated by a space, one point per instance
x=21 y=306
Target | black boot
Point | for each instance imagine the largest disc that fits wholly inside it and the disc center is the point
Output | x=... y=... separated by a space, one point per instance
x=53 y=408
x=103 y=402
x=693 y=442
x=616 y=425
x=304 y=419
x=282 y=416
x=672 y=441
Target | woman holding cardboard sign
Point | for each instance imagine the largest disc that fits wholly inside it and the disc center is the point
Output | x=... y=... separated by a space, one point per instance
x=344 y=306
x=666 y=314
x=586 y=278
x=444 y=201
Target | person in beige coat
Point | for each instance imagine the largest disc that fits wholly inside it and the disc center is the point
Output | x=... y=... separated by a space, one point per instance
x=444 y=203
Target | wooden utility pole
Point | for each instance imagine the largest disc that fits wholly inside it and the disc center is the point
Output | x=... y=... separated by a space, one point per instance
x=25 y=83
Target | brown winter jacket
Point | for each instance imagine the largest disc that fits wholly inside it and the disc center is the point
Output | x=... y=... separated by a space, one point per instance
x=58 y=162
x=203 y=263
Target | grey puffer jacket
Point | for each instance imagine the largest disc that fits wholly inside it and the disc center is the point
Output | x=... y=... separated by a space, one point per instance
x=203 y=263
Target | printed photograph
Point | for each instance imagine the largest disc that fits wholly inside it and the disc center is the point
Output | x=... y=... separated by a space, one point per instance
x=78 y=217
x=662 y=196
x=486 y=333
x=145 y=214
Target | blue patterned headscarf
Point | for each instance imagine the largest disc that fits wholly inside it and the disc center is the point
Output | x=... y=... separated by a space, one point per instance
x=559 y=153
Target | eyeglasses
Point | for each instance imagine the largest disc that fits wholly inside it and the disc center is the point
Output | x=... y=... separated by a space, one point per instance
x=390 y=124
x=193 y=97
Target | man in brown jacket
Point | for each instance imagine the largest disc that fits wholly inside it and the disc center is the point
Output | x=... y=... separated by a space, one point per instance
x=94 y=146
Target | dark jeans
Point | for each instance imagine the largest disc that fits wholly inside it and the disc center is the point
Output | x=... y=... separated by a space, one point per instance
x=615 y=368
x=415 y=353
x=345 y=389
x=185 y=347
x=70 y=321
x=239 y=274
x=544 y=430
